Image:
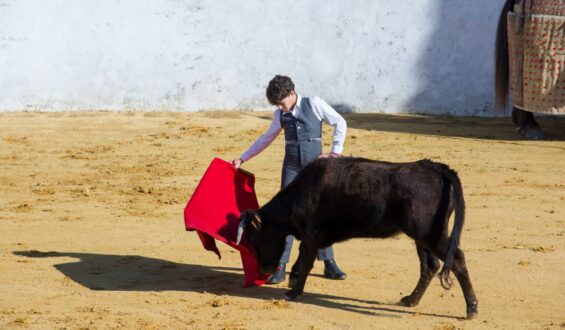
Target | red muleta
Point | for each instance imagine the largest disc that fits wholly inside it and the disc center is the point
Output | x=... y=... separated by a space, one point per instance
x=213 y=212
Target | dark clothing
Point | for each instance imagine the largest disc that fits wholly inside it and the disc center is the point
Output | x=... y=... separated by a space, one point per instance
x=303 y=144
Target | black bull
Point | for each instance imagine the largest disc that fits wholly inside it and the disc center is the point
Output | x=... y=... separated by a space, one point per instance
x=332 y=200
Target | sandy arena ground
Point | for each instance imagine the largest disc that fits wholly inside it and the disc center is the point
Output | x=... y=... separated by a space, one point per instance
x=92 y=232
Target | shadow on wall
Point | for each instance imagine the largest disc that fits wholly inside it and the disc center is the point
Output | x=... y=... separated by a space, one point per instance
x=453 y=66
x=456 y=59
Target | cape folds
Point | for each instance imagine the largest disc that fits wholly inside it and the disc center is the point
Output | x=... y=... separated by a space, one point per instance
x=213 y=212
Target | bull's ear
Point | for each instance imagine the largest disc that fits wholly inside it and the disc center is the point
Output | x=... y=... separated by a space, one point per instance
x=256 y=221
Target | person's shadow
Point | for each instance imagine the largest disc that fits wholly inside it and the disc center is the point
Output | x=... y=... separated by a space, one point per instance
x=138 y=273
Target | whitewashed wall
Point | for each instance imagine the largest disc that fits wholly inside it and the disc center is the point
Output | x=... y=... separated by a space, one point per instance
x=430 y=56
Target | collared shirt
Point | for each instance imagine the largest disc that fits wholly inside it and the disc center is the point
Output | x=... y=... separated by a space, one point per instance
x=322 y=110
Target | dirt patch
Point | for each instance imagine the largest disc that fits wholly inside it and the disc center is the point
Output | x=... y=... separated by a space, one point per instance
x=92 y=233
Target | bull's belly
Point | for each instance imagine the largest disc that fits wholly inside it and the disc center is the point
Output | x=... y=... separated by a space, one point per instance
x=379 y=232
x=369 y=232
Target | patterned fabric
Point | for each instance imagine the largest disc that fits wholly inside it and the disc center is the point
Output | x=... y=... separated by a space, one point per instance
x=548 y=7
x=536 y=43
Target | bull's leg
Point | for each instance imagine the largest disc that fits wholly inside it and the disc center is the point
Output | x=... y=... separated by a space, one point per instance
x=429 y=265
x=304 y=264
x=527 y=126
x=293 y=279
x=462 y=275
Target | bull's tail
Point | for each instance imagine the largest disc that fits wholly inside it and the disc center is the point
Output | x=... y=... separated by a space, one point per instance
x=452 y=178
x=502 y=65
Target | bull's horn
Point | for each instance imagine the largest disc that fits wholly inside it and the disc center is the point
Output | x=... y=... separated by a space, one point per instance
x=240 y=229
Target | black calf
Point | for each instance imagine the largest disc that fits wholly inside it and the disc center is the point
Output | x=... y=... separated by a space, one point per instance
x=333 y=200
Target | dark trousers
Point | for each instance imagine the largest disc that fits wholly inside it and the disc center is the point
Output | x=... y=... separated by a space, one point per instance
x=289 y=172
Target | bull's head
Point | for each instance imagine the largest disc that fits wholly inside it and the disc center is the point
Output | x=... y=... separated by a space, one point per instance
x=268 y=240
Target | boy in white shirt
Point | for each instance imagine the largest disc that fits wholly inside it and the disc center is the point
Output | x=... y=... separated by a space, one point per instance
x=301 y=119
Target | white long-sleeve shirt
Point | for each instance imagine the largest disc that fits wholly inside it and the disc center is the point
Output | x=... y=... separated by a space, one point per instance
x=322 y=110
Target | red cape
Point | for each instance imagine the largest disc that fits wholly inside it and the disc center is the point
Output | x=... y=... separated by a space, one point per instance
x=213 y=212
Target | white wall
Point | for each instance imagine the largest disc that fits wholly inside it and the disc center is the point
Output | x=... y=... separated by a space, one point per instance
x=432 y=56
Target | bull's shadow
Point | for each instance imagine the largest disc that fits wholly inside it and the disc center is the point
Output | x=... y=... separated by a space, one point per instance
x=138 y=273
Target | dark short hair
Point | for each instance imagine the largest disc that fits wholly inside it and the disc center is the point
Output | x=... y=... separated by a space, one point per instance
x=279 y=88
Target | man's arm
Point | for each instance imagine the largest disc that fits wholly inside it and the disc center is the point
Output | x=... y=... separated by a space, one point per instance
x=328 y=114
x=262 y=142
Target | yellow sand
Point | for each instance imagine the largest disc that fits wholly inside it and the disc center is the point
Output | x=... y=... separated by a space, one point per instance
x=92 y=232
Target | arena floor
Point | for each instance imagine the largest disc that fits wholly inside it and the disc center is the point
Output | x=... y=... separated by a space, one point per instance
x=92 y=232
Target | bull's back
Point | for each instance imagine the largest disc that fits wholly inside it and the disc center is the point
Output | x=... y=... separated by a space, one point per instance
x=368 y=198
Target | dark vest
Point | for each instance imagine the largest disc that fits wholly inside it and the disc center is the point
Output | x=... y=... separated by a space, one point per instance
x=302 y=134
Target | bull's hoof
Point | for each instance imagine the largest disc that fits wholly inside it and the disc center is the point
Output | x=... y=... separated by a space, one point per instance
x=472 y=311
x=408 y=301
x=289 y=296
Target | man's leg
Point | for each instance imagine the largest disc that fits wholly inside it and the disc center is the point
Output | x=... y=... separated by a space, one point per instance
x=280 y=275
x=290 y=170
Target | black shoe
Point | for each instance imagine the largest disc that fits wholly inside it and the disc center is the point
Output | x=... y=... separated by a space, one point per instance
x=530 y=131
x=526 y=125
x=332 y=271
x=279 y=275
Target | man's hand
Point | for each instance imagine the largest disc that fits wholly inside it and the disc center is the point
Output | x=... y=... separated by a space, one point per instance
x=236 y=163
x=330 y=155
